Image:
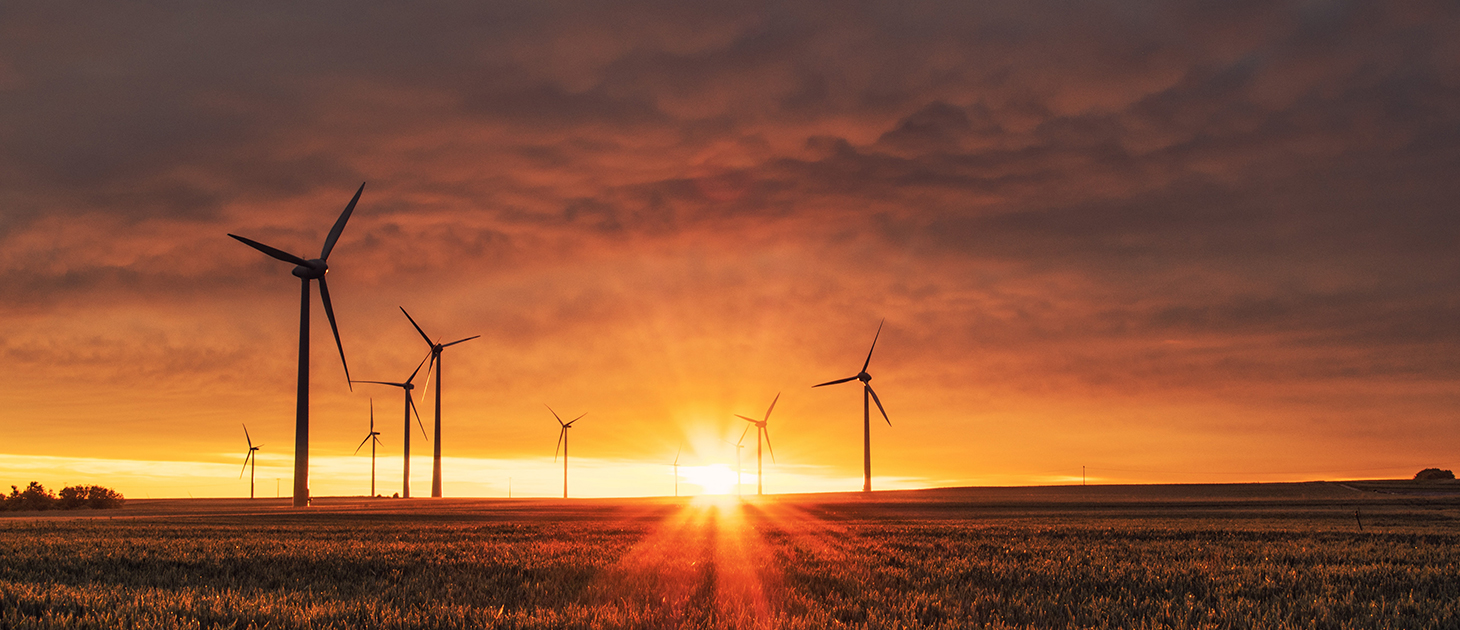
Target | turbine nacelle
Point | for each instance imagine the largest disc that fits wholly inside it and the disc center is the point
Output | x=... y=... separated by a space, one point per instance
x=864 y=377
x=311 y=269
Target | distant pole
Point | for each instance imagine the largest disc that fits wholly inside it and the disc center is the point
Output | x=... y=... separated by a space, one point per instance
x=1082 y=475
x=276 y=487
x=509 y=487
x=676 y=480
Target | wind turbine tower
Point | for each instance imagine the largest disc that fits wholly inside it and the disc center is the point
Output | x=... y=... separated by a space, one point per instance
x=866 y=410
x=436 y=348
x=307 y=270
x=563 y=442
x=760 y=430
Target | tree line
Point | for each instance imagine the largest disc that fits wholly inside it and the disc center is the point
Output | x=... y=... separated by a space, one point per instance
x=36 y=497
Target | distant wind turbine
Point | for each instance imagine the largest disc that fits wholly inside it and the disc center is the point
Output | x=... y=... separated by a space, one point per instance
x=307 y=270
x=436 y=349
x=738 y=445
x=676 y=469
x=374 y=439
x=760 y=430
x=249 y=460
x=406 y=433
x=866 y=410
x=563 y=442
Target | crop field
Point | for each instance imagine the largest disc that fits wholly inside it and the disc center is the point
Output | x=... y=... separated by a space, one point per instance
x=1236 y=556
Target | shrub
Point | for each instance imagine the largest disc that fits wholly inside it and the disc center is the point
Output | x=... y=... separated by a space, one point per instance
x=1433 y=474
x=33 y=497
x=36 y=497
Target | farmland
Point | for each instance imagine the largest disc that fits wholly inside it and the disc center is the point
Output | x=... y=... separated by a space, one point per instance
x=1269 y=555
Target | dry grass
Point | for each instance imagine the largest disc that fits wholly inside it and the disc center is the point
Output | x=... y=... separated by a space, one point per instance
x=1219 y=557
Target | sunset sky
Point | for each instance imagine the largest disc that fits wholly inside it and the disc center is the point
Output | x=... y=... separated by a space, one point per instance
x=1167 y=241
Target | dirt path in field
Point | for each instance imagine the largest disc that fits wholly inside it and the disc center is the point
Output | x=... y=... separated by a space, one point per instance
x=706 y=564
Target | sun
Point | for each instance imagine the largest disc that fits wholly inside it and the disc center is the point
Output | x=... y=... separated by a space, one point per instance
x=712 y=479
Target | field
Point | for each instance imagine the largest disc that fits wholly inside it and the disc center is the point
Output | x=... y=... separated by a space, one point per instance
x=1227 y=556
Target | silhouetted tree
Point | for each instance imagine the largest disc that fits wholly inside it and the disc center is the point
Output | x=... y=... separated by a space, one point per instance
x=99 y=498
x=1433 y=474
x=33 y=497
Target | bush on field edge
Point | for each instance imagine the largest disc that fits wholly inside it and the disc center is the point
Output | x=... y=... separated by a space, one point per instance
x=1433 y=474
x=36 y=497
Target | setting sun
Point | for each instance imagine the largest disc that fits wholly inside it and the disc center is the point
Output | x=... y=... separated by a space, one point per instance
x=712 y=479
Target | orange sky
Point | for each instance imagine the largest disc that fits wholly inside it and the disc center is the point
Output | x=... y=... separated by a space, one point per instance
x=1168 y=242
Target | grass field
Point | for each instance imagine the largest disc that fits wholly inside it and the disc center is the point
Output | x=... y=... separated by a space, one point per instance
x=1222 y=556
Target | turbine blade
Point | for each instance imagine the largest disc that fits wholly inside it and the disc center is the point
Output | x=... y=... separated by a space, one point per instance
x=329 y=242
x=555 y=414
x=561 y=434
x=418 y=367
x=274 y=253
x=676 y=454
x=427 y=385
x=362 y=444
x=417 y=411
x=448 y=345
x=580 y=417
x=768 y=443
x=383 y=383
x=418 y=328
x=751 y=420
x=245 y=463
x=329 y=311
x=247 y=437
x=743 y=433
x=772 y=407
x=874 y=345
x=842 y=380
x=879 y=405
x=372 y=416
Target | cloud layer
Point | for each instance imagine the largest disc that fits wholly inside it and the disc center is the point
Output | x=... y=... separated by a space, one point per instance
x=1166 y=233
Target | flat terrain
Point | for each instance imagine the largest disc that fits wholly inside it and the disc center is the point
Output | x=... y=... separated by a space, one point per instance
x=1179 y=556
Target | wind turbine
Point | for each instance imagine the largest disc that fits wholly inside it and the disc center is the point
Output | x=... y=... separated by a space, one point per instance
x=866 y=410
x=250 y=458
x=738 y=446
x=436 y=348
x=410 y=406
x=373 y=439
x=562 y=441
x=307 y=270
x=676 y=469
x=760 y=429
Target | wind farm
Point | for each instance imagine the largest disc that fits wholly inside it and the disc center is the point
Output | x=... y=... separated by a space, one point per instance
x=1169 y=293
